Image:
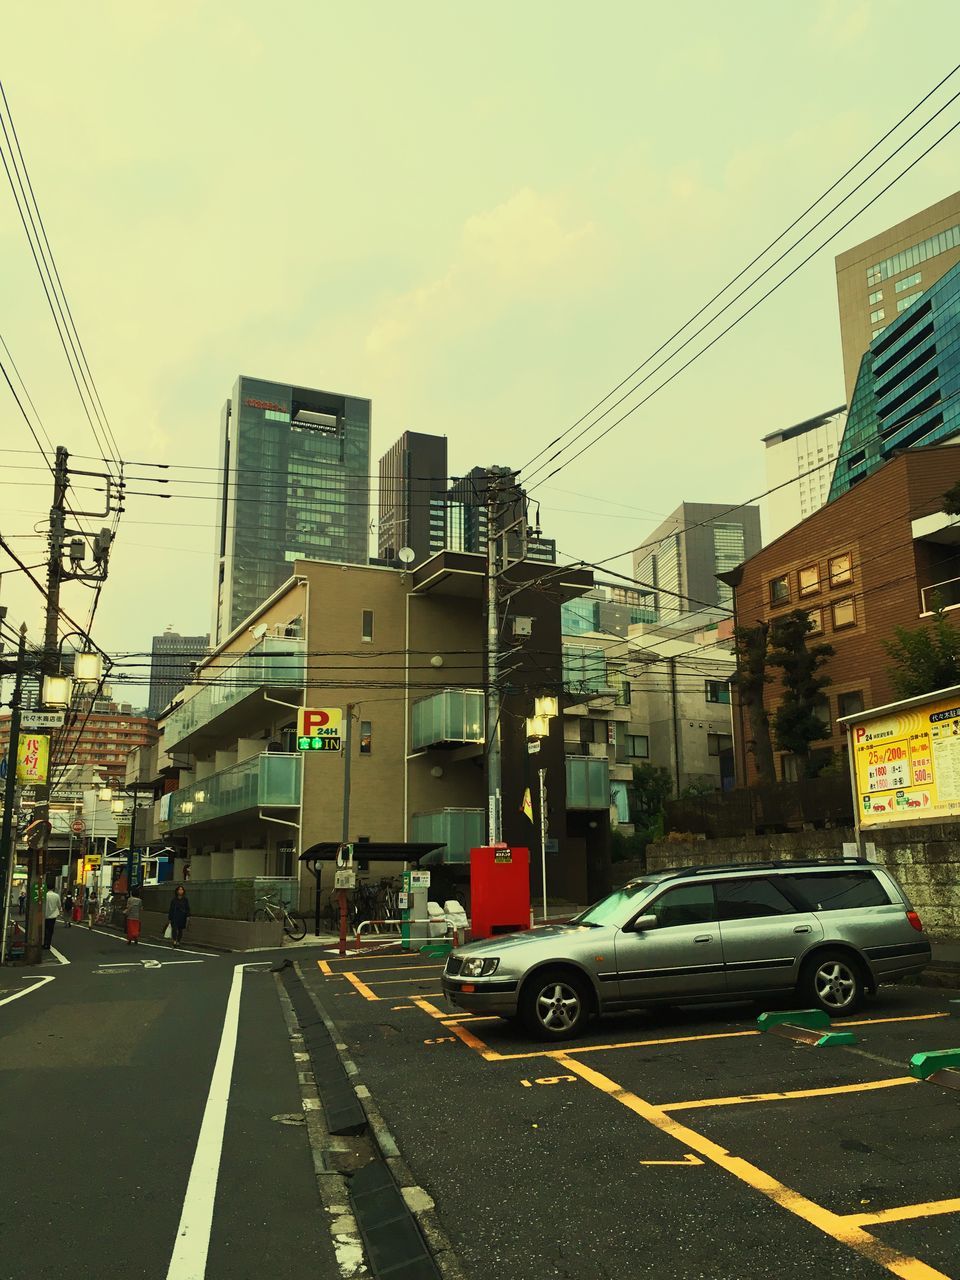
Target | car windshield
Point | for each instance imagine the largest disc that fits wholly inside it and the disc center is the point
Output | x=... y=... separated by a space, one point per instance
x=616 y=907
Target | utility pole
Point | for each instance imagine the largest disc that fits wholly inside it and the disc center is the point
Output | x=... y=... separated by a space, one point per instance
x=8 y=840
x=672 y=662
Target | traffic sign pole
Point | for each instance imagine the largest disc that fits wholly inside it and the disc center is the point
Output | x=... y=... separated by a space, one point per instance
x=7 y=842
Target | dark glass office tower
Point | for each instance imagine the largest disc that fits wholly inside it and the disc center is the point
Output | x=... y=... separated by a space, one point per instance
x=294 y=484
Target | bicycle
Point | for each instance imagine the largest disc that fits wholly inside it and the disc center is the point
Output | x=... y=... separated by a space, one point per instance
x=294 y=925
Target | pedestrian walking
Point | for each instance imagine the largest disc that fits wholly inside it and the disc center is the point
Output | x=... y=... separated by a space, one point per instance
x=52 y=907
x=178 y=914
x=132 y=913
x=22 y=901
x=68 y=908
x=91 y=908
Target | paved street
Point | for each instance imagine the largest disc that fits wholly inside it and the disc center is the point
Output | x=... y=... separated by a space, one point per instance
x=678 y=1144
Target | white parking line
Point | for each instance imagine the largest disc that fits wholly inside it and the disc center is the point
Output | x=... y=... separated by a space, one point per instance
x=26 y=990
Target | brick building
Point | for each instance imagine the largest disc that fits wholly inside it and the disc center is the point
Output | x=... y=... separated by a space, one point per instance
x=98 y=741
x=876 y=558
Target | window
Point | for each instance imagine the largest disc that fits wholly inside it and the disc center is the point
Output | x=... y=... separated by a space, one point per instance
x=876 y=296
x=689 y=904
x=844 y=613
x=877 y=316
x=366 y=737
x=809 y=579
x=906 y=283
x=748 y=899
x=838 y=890
x=849 y=704
x=780 y=589
x=908 y=301
x=841 y=569
x=717 y=691
x=366 y=625
x=876 y=332
x=638 y=746
x=815 y=617
x=718 y=742
x=620 y=682
x=821 y=711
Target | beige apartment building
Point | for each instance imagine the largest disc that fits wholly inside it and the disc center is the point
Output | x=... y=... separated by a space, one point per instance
x=881 y=277
x=403 y=653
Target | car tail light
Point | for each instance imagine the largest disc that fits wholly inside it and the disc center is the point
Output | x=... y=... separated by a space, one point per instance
x=915 y=921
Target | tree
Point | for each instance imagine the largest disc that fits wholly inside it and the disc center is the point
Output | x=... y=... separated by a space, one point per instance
x=652 y=787
x=951 y=500
x=925 y=658
x=796 y=724
x=752 y=676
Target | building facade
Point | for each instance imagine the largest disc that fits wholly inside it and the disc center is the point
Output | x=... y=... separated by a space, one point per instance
x=680 y=560
x=799 y=468
x=294 y=481
x=878 y=279
x=908 y=391
x=413 y=477
x=171 y=657
x=877 y=558
x=96 y=737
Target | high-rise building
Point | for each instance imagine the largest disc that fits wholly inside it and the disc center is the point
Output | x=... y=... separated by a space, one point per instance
x=799 y=470
x=878 y=280
x=908 y=391
x=294 y=484
x=97 y=736
x=413 y=478
x=171 y=657
x=682 y=557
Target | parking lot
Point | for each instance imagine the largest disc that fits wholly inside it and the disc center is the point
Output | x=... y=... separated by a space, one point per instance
x=679 y=1143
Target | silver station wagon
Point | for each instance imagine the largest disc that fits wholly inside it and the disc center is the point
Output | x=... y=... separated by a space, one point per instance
x=827 y=931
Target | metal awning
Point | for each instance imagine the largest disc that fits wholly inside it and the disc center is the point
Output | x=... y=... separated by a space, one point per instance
x=369 y=851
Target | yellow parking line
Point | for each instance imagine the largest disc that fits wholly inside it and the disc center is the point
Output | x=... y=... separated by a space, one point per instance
x=794 y=1093
x=397 y=969
x=361 y=987
x=395 y=982
x=904 y=1213
x=871 y=1022
x=832 y=1224
x=325 y=968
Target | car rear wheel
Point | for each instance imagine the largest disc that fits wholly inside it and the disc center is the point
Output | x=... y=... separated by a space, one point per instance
x=833 y=981
x=555 y=1004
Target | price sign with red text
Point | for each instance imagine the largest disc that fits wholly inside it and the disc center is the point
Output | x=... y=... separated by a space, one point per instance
x=907 y=764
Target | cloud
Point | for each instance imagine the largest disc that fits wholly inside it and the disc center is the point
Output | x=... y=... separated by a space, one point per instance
x=841 y=24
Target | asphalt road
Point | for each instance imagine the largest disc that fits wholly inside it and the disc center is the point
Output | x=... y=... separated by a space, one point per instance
x=652 y=1147
x=105 y=1083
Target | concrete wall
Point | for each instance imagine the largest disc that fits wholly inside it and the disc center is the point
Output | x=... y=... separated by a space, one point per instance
x=224 y=935
x=924 y=860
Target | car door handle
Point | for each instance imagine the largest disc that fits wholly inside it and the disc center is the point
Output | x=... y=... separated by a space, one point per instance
x=802 y=928
x=704 y=937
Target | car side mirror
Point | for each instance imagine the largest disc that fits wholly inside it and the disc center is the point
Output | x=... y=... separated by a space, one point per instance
x=644 y=922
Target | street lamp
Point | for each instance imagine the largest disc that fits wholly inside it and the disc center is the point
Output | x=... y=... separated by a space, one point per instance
x=118 y=805
x=56 y=691
x=87 y=668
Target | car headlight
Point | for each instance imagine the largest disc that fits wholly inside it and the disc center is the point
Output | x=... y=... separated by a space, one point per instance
x=478 y=967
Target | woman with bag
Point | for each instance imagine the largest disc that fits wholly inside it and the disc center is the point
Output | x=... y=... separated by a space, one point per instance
x=132 y=913
x=178 y=915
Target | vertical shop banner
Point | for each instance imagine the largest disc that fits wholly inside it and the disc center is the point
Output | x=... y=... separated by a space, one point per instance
x=907 y=764
x=33 y=759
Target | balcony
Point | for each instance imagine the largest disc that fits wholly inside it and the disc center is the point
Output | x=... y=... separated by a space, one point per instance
x=268 y=780
x=448 y=719
x=275 y=662
x=943 y=595
x=459 y=829
x=588 y=782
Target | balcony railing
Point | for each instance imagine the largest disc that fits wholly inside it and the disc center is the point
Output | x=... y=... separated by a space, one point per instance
x=271 y=779
x=274 y=662
x=459 y=829
x=588 y=783
x=945 y=595
x=450 y=718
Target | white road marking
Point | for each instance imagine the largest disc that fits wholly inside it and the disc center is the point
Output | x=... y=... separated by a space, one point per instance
x=58 y=954
x=155 y=945
x=26 y=990
x=189 y=1260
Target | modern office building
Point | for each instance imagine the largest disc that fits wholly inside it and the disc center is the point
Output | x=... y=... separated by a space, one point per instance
x=413 y=481
x=680 y=560
x=878 y=279
x=908 y=391
x=294 y=482
x=799 y=465
x=171 y=658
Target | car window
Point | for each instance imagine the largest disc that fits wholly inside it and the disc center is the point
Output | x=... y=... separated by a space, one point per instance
x=687 y=904
x=747 y=899
x=838 y=890
x=617 y=907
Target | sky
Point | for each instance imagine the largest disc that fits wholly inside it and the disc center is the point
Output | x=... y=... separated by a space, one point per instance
x=481 y=217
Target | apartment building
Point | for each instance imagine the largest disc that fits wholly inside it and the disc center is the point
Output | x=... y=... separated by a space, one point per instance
x=97 y=737
x=880 y=556
x=799 y=462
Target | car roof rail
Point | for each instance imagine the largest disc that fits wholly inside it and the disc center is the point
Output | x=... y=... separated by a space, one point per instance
x=783 y=864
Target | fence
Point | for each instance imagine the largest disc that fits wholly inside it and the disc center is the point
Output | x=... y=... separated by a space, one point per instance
x=225 y=899
x=788 y=806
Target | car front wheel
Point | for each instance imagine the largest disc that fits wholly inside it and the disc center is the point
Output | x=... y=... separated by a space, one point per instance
x=833 y=981
x=555 y=1004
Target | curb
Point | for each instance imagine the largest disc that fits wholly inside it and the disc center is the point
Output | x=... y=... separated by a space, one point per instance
x=418 y=1201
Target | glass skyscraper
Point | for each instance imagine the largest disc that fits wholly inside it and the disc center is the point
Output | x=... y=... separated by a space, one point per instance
x=908 y=389
x=294 y=484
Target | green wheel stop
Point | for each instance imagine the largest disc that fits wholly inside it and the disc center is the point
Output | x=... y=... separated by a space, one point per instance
x=812 y=1019
x=436 y=950
x=923 y=1065
x=833 y=1038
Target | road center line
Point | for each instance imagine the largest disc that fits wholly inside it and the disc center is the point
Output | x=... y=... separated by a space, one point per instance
x=189 y=1260
x=40 y=982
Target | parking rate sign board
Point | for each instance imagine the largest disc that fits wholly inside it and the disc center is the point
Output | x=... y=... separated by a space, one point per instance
x=907 y=764
x=318 y=728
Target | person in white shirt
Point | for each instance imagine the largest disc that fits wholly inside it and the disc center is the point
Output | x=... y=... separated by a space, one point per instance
x=51 y=909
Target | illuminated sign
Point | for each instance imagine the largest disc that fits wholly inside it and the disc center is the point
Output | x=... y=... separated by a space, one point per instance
x=318 y=744
x=319 y=722
x=264 y=404
x=907 y=764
